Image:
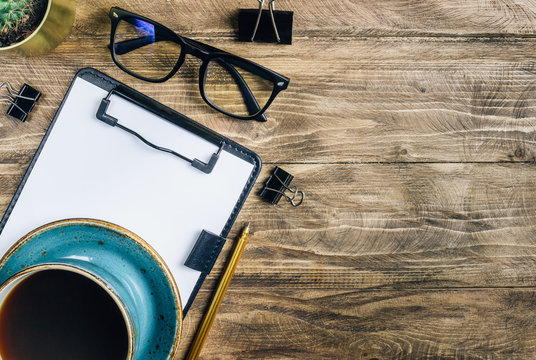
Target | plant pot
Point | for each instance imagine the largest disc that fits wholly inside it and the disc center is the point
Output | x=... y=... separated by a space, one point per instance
x=54 y=27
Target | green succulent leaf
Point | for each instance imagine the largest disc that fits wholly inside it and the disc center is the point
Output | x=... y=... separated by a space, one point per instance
x=13 y=13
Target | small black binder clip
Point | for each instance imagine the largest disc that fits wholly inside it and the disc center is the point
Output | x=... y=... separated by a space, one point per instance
x=22 y=102
x=277 y=185
x=265 y=25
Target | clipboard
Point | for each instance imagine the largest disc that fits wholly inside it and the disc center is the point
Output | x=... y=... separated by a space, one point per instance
x=87 y=167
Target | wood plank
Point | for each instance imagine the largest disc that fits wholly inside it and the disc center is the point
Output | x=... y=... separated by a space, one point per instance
x=368 y=18
x=401 y=226
x=386 y=100
x=393 y=226
x=407 y=324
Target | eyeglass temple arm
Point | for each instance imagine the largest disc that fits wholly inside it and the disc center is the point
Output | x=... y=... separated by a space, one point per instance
x=249 y=99
x=126 y=46
x=246 y=66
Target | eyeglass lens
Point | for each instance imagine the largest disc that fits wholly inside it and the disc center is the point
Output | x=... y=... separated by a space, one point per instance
x=227 y=84
x=144 y=50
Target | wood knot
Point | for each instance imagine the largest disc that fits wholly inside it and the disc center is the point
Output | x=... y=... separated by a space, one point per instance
x=519 y=153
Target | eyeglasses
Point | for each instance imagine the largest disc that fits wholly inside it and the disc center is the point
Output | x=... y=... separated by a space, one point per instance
x=230 y=84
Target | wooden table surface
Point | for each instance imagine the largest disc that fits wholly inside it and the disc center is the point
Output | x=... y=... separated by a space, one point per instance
x=410 y=126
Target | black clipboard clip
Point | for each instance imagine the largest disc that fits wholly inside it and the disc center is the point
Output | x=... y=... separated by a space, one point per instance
x=112 y=121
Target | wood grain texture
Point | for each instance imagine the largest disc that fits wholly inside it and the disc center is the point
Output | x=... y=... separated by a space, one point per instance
x=406 y=324
x=385 y=261
x=381 y=100
x=332 y=18
x=396 y=226
x=409 y=125
x=388 y=226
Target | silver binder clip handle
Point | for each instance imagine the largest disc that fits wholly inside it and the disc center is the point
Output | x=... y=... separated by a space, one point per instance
x=261 y=4
x=290 y=198
x=292 y=189
x=271 y=7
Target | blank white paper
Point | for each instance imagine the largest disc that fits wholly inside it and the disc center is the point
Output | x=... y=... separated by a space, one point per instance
x=88 y=169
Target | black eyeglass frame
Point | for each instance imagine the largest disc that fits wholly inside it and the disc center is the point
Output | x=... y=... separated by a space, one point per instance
x=206 y=53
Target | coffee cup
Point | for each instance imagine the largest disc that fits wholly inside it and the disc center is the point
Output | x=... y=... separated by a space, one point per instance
x=56 y=311
x=105 y=288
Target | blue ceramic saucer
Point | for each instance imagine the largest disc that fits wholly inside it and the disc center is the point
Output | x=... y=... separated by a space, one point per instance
x=122 y=263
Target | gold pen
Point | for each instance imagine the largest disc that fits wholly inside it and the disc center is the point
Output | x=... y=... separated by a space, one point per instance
x=208 y=319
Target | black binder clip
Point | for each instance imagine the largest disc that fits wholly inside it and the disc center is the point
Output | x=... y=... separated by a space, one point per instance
x=265 y=25
x=277 y=185
x=22 y=102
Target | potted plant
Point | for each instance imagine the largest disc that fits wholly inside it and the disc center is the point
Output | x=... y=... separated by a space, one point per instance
x=34 y=27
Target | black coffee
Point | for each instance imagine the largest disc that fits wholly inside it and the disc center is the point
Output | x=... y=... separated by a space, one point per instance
x=61 y=315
